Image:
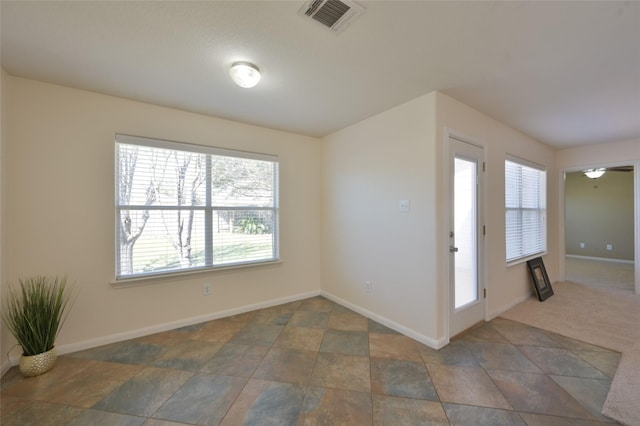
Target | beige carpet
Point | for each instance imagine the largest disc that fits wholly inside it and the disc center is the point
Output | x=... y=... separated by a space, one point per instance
x=610 y=319
x=600 y=273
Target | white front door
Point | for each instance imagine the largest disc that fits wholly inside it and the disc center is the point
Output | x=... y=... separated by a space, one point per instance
x=466 y=292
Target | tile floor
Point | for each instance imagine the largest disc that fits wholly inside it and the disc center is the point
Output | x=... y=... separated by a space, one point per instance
x=314 y=362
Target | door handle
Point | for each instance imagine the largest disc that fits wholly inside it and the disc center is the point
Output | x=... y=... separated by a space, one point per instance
x=453 y=249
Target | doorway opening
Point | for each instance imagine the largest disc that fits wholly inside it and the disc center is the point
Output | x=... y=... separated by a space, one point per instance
x=600 y=235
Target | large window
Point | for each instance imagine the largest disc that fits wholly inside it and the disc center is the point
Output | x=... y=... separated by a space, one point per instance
x=526 y=209
x=182 y=207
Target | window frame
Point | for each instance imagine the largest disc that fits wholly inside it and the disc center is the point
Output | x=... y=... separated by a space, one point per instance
x=542 y=222
x=210 y=207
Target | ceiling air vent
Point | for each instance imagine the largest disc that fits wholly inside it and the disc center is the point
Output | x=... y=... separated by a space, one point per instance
x=333 y=14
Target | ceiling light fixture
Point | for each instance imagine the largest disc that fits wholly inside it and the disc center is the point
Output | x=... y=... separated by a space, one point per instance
x=594 y=173
x=245 y=74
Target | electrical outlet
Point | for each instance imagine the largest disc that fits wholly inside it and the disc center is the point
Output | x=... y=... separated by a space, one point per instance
x=206 y=289
x=609 y=247
x=404 y=206
x=581 y=245
x=368 y=286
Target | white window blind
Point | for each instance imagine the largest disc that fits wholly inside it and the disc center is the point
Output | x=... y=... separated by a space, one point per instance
x=182 y=207
x=526 y=209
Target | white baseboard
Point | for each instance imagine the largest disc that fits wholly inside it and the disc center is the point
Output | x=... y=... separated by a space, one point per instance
x=503 y=309
x=600 y=259
x=435 y=344
x=132 y=334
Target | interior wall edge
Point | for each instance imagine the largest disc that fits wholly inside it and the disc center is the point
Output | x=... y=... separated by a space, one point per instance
x=415 y=335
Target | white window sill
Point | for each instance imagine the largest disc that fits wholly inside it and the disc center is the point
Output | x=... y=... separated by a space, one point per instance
x=154 y=278
x=524 y=259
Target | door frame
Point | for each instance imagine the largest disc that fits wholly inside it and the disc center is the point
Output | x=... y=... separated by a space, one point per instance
x=482 y=242
x=562 y=215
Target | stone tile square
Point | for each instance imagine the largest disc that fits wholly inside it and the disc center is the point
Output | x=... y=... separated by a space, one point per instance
x=339 y=309
x=144 y=393
x=160 y=422
x=393 y=411
x=537 y=393
x=273 y=316
x=465 y=415
x=265 y=403
x=348 y=321
x=188 y=355
x=484 y=333
x=203 y=399
x=518 y=334
x=394 y=346
x=241 y=318
x=324 y=406
x=561 y=362
x=92 y=384
x=127 y=352
x=9 y=405
x=164 y=339
x=607 y=362
x=401 y=378
x=348 y=372
x=41 y=413
x=235 y=360
x=65 y=369
x=317 y=304
x=376 y=327
x=257 y=334
x=96 y=417
x=455 y=353
x=309 y=319
x=543 y=420
x=502 y=356
x=308 y=339
x=291 y=306
x=220 y=331
x=346 y=342
x=287 y=365
x=466 y=386
x=576 y=345
x=590 y=393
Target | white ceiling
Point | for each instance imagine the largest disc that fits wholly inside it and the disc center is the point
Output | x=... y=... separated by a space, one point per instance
x=566 y=73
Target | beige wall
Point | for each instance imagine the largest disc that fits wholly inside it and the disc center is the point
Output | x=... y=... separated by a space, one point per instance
x=368 y=168
x=60 y=215
x=5 y=339
x=612 y=153
x=340 y=221
x=401 y=154
x=599 y=212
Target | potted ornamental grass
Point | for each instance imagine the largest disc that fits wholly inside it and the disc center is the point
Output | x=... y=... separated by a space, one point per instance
x=34 y=313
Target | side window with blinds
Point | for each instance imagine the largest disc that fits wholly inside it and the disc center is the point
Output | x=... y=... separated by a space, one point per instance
x=525 y=209
x=182 y=207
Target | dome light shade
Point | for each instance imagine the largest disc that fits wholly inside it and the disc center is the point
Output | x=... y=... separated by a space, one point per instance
x=245 y=74
x=594 y=173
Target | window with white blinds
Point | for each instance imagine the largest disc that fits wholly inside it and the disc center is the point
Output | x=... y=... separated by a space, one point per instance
x=182 y=207
x=526 y=209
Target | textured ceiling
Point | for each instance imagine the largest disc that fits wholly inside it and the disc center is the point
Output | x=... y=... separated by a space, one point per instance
x=565 y=73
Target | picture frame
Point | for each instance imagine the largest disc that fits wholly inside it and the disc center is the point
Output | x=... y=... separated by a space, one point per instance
x=540 y=278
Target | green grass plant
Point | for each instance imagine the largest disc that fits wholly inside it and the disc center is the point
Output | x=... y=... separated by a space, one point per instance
x=35 y=312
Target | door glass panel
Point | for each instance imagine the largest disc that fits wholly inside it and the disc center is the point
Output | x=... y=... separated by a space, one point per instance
x=465 y=232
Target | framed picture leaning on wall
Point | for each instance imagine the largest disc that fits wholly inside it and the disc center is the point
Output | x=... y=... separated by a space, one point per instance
x=540 y=278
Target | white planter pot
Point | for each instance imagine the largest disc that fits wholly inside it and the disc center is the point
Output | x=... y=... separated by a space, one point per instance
x=35 y=365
